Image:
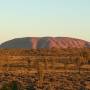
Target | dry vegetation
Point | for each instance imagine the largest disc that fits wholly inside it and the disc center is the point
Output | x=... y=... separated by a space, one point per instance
x=45 y=69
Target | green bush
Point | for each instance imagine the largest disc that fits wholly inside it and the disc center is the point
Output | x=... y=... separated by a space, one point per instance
x=5 y=86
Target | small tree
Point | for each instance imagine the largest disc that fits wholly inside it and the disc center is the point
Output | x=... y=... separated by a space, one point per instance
x=15 y=85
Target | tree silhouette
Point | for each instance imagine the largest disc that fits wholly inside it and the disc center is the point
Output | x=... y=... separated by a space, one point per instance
x=15 y=85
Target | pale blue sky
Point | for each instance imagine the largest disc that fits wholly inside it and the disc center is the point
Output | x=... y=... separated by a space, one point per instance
x=24 y=18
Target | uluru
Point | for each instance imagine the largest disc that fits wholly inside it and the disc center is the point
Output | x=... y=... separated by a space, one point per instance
x=45 y=42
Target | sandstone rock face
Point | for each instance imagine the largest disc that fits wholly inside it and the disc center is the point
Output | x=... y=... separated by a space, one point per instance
x=45 y=42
